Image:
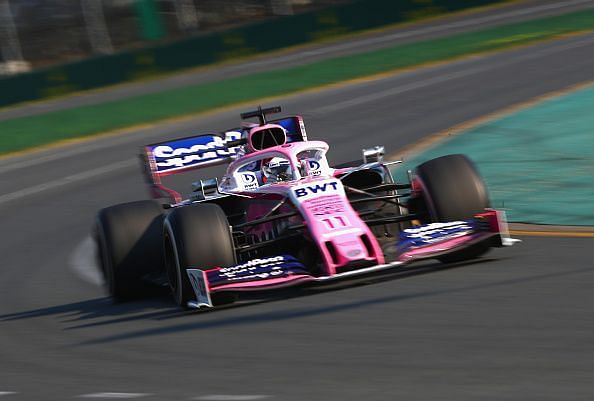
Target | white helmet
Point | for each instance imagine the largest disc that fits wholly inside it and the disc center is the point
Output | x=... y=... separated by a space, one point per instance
x=277 y=169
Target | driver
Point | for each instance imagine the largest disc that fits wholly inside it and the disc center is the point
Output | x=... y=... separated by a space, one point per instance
x=276 y=169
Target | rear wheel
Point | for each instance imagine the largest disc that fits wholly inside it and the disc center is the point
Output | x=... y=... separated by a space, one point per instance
x=129 y=239
x=366 y=179
x=452 y=189
x=198 y=237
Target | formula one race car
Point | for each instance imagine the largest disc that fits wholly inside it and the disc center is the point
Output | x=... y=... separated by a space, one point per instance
x=282 y=216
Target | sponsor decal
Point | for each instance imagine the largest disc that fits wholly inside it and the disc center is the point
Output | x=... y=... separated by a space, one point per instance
x=278 y=162
x=315 y=168
x=193 y=151
x=249 y=180
x=436 y=232
x=257 y=269
x=316 y=189
x=325 y=205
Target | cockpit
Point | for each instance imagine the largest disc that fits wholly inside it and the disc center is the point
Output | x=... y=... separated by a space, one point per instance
x=284 y=163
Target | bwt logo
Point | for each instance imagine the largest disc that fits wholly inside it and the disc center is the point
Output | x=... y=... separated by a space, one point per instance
x=314 y=168
x=314 y=189
x=249 y=181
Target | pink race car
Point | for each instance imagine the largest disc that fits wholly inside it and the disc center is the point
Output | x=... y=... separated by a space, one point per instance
x=282 y=216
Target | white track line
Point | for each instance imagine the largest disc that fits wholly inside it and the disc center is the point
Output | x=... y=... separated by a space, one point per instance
x=90 y=145
x=365 y=42
x=230 y=397
x=7 y=393
x=10 y=165
x=397 y=90
x=417 y=32
x=333 y=107
x=84 y=263
x=60 y=182
x=114 y=395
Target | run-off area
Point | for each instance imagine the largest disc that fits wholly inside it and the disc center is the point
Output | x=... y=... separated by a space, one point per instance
x=538 y=162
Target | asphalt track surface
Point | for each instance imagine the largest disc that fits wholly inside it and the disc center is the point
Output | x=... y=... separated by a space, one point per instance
x=516 y=325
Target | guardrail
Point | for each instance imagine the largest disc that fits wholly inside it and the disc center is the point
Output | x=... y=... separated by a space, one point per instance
x=215 y=47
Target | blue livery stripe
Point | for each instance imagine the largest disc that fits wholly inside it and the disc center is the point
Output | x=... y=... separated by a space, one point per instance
x=192 y=152
x=257 y=269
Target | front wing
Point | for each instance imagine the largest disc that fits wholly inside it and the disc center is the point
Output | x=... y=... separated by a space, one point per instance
x=418 y=243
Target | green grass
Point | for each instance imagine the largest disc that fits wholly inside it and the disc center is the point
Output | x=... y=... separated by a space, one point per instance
x=21 y=133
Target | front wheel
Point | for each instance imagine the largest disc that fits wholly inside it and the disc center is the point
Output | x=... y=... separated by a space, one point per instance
x=197 y=237
x=452 y=189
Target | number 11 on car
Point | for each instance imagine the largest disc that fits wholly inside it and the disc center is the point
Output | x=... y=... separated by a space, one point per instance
x=335 y=222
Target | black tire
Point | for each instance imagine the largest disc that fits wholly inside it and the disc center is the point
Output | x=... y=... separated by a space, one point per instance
x=452 y=189
x=196 y=236
x=362 y=179
x=129 y=237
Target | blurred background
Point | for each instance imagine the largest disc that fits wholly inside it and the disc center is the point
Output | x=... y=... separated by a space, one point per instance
x=492 y=83
x=50 y=48
x=39 y=33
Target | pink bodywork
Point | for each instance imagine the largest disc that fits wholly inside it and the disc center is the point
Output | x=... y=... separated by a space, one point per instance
x=497 y=228
x=343 y=239
x=345 y=242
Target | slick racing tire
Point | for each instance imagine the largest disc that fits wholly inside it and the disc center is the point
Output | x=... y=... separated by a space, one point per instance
x=371 y=177
x=198 y=237
x=452 y=189
x=129 y=239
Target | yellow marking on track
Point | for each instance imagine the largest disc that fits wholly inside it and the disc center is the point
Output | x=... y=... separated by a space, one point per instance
x=442 y=136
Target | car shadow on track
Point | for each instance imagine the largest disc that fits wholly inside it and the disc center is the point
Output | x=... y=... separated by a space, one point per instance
x=99 y=308
x=223 y=320
x=103 y=311
x=250 y=299
x=226 y=317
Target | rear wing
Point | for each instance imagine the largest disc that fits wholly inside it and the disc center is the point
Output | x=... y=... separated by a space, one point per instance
x=195 y=152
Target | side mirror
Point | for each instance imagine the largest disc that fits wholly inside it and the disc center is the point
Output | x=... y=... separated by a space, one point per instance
x=374 y=155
